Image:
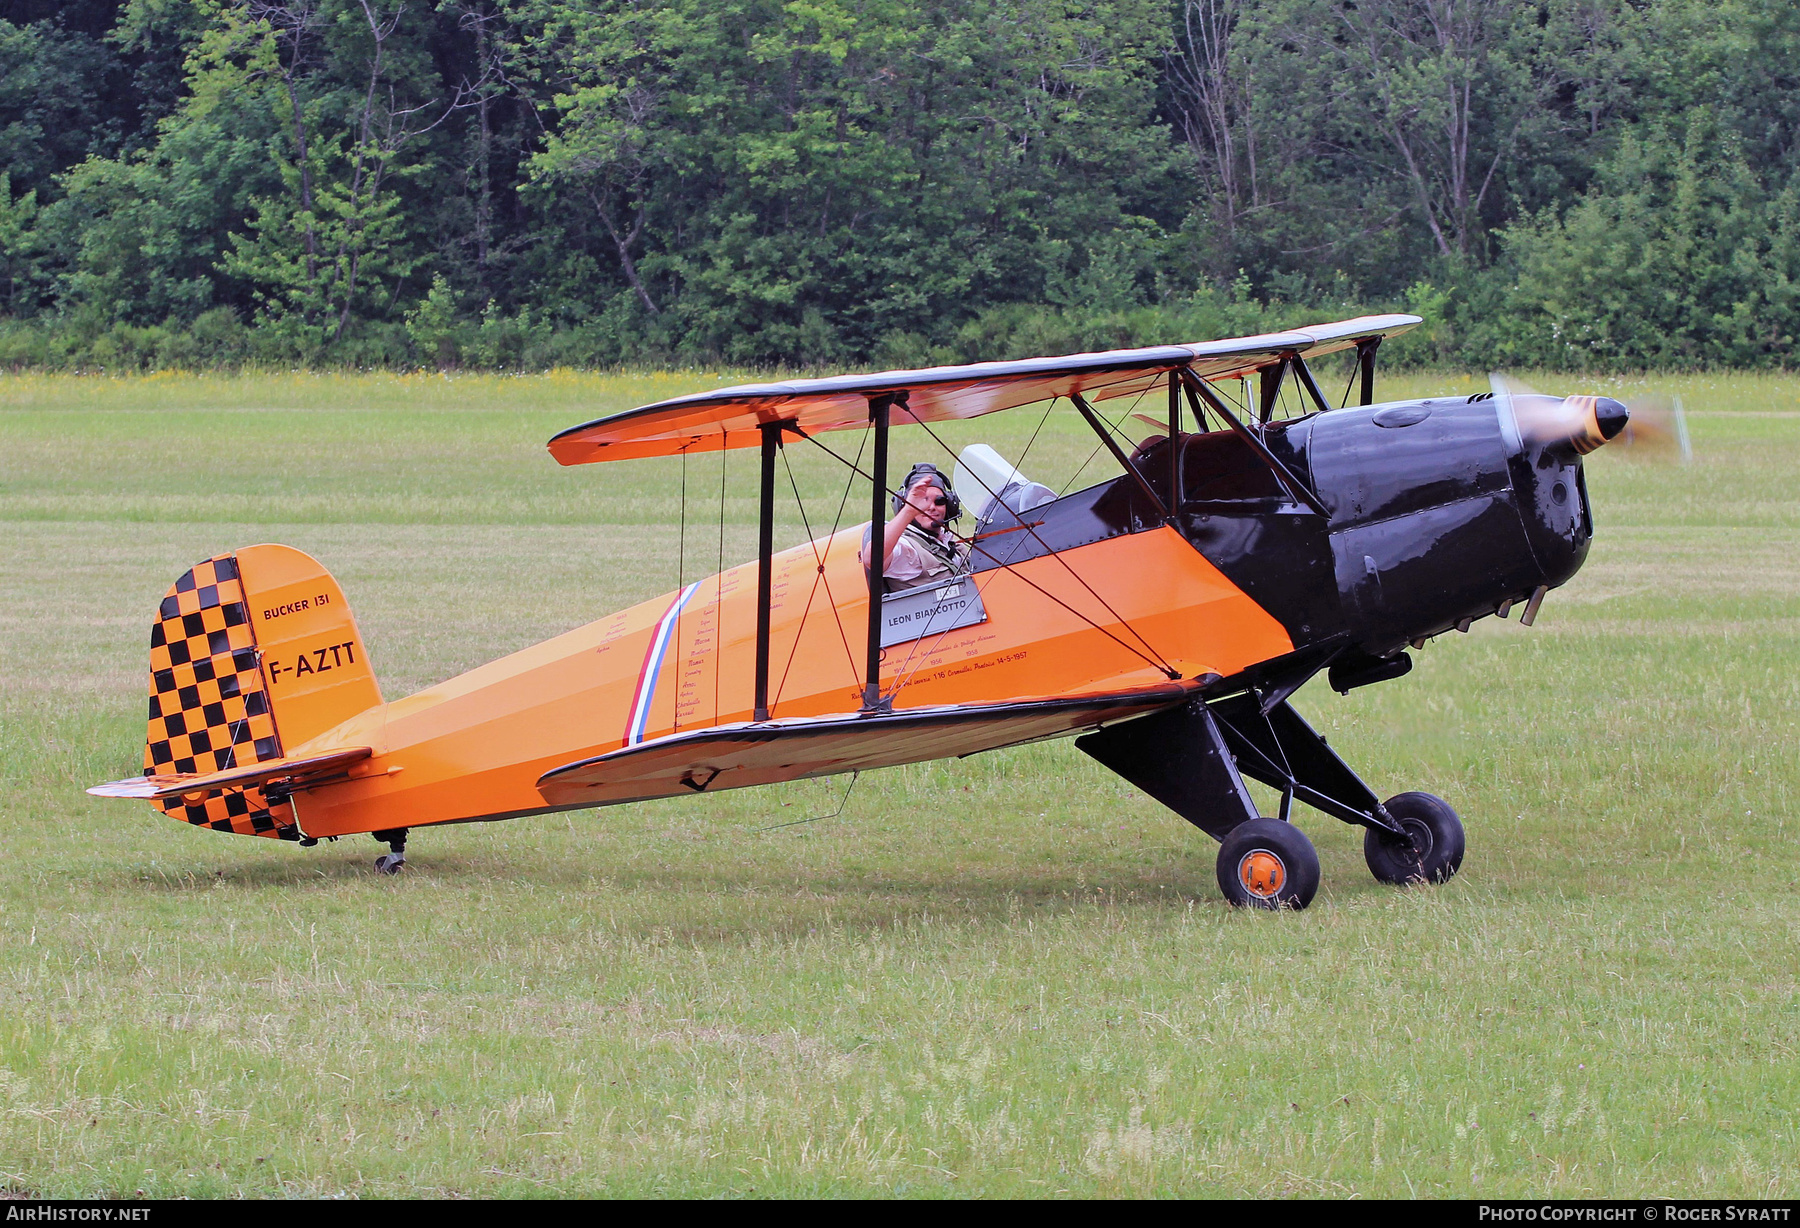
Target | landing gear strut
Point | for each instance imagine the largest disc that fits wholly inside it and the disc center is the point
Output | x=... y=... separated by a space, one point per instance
x=1194 y=760
x=390 y=862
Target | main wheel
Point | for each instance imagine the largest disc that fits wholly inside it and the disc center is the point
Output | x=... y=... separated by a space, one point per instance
x=1432 y=850
x=389 y=863
x=1266 y=863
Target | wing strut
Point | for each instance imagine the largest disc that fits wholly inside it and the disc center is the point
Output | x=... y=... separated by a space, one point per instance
x=879 y=407
x=1174 y=440
x=1269 y=387
x=765 y=549
x=1365 y=360
x=1304 y=374
x=1112 y=445
x=1198 y=391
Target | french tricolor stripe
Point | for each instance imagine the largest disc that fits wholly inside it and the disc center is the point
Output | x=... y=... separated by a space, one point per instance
x=659 y=647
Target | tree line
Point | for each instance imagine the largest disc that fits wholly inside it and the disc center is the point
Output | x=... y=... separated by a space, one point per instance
x=516 y=184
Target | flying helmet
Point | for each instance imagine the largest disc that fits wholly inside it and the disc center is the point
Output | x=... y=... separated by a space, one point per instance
x=925 y=471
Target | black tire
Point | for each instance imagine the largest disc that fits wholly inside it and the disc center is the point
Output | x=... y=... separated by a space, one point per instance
x=1433 y=851
x=389 y=863
x=1266 y=863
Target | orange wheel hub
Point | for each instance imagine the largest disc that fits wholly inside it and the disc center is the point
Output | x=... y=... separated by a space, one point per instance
x=1261 y=873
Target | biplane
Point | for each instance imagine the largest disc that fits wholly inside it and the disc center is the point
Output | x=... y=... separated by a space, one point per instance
x=1163 y=616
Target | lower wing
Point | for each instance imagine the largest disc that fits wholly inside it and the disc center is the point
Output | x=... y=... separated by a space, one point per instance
x=735 y=756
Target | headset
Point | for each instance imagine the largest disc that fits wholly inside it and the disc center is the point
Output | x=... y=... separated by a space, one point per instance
x=925 y=471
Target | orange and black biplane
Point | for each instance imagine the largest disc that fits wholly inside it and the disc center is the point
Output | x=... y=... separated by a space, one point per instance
x=1165 y=615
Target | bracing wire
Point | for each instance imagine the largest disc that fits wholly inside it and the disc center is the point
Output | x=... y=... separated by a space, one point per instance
x=1019 y=464
x=819 y=818
x=855 y=470
x=1154 y=659
x=837 y=521
x=1154 y=662
x=818 y=574
x=844 y=500
x=818 y=578
x=904 y=674
x=1097 y=447
x=855 y=466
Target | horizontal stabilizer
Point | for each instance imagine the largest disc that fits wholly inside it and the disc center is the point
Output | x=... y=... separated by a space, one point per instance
x=293 y=773
x=735 y=756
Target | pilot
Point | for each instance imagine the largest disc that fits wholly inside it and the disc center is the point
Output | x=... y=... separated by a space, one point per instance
x=917 y=546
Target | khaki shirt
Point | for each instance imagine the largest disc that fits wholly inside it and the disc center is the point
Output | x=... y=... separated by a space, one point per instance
x=915 y=561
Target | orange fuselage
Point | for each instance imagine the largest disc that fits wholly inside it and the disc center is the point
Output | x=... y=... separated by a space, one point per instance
x=473 y=747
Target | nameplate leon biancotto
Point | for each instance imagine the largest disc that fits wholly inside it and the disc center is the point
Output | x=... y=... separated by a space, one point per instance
x=930 y=610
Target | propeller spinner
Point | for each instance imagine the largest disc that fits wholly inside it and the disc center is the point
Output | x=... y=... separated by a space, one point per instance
x=1648 y=425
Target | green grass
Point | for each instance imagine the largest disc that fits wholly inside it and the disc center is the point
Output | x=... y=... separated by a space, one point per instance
x=1006 y=975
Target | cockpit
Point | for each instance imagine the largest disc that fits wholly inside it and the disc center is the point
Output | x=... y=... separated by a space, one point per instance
x=1009 y=517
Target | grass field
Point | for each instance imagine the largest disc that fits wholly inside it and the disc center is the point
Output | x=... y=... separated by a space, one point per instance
x=1007 y=975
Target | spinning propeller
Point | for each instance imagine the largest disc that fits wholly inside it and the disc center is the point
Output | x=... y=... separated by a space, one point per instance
x=1658 y=429
x=1650 y=426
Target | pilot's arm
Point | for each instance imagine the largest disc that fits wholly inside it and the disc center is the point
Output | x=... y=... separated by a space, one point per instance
x=914 y=511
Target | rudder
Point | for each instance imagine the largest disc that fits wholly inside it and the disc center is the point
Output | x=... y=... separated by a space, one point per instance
x=253 y=653
x=312 y=654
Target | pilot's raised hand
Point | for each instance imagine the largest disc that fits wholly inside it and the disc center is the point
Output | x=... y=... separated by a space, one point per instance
x=926 y=504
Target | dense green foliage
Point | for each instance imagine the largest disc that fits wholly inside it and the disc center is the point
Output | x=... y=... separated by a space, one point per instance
x=510 y=183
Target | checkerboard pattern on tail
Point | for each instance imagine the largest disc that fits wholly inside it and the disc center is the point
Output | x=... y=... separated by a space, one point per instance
x=209 y=708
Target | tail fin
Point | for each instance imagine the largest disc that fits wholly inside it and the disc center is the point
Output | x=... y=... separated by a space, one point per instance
x=252 y=652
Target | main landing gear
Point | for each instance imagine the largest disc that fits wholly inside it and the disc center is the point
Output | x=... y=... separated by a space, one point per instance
x=1194 y=759
x=1265 y=863
x=390 y=862
x=1431 y=850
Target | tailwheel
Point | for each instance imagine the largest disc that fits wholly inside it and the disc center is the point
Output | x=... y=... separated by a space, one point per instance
x=1432 y=850
x=1265 y=863
x=390 y=862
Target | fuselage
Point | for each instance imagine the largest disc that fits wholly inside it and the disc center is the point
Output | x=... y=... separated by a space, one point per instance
x=1103 y=616
x=1438 y=513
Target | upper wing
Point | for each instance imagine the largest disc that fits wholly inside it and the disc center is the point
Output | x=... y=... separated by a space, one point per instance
x=729 y=417
x=733 y=756
x=296 y=773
